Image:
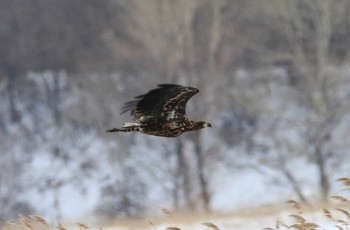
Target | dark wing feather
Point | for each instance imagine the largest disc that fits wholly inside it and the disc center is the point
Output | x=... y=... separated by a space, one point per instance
x=162 y=101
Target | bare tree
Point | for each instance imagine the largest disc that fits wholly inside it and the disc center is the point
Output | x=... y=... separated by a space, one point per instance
x=163 y=31
x=306 y=31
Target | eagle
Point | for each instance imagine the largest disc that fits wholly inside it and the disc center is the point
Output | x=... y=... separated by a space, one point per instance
x=161 y=112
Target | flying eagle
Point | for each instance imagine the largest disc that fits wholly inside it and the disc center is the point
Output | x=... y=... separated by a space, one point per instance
x=161 y=112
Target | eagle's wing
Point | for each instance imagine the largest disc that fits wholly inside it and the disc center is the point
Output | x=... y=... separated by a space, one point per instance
x=164 y=101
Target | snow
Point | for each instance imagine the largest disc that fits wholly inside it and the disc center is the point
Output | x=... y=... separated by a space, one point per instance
x=66 y=166
x=235 y=221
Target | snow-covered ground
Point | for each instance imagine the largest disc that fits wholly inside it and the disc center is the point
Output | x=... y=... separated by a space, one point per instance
x=266 y=219
x=61 y=170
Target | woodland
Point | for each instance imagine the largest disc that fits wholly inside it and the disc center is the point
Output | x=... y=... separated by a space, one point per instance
x=274 y=81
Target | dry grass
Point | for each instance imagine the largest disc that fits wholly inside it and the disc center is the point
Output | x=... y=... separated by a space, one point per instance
x=172 y=217
x=211 y=226
x=337 y=214
x=34 y=222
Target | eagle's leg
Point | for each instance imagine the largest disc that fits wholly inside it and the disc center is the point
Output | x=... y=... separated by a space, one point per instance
x=127 y=127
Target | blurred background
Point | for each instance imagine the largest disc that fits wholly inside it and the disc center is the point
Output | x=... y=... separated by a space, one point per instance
x=274 y=80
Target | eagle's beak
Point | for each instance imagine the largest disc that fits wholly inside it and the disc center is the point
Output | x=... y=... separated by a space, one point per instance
x=208 y=125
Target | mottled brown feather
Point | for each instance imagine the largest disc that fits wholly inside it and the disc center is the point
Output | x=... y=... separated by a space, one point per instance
x=164 y=101
x=161 y=112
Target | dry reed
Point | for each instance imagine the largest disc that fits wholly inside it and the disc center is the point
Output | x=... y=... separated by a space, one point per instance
x=300 y=222
x=338 y=215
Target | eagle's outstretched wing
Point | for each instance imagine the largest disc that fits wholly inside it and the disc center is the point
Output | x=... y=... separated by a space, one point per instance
x=164 y=101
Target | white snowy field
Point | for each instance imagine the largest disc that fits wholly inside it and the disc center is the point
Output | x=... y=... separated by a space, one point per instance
x=74 y=172
x=264 y=219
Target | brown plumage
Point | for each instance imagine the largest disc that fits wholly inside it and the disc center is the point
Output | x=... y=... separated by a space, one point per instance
x=161 y=112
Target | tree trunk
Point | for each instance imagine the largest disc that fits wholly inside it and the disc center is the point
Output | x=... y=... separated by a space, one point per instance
x=11 y=86
x=323 y=180
x=295 y=185
x=203 y=180
x=182 y=180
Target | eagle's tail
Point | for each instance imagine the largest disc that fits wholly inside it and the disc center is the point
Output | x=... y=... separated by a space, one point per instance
x=127 y=127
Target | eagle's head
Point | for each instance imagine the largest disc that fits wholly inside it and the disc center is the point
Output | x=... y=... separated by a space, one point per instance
x=206 y=124
x=201 y=125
